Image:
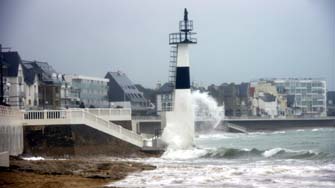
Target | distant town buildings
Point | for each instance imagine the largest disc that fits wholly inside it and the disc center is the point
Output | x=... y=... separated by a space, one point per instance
x=30 y=84
x=36 y=85
x=290 y=97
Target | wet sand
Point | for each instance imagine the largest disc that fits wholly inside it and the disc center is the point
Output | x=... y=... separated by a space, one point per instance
x=66 y=173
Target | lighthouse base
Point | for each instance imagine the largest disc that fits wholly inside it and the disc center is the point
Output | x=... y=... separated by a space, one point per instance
x=179 y=123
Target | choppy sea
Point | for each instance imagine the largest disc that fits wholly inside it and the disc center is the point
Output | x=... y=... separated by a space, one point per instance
x=291 y=158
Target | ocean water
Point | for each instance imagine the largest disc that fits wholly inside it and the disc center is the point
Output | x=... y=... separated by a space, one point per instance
x=292 y=158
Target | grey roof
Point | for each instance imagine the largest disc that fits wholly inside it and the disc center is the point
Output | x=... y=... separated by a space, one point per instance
x=127 y=86
x=28 y=72
x=43 y=70
x=12 y=61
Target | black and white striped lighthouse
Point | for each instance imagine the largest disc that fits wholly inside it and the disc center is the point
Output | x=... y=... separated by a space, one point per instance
x=179 y=123
x=182 y=39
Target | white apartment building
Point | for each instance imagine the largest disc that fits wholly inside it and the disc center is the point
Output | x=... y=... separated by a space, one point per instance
x=305 y=96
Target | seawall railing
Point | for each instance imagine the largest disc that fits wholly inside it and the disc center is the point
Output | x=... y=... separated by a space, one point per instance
x=110 y=114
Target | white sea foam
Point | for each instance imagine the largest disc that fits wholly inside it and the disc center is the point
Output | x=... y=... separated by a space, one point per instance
x=314 y=130
x=288 y=169
x=257 y=133
x=263 y=174
x=279 y=132
x=274 y=151
x=205 y=106
x=271 y=152
x=183 y=154
x=33 y=158
x=214 y=136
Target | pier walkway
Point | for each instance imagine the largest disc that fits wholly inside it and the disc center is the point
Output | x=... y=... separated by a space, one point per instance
x=99 y=119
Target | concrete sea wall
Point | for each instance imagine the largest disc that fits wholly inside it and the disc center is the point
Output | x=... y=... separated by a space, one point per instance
x=74 y=140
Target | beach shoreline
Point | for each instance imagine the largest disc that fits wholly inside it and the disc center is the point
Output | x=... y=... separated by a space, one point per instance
x=66 y=173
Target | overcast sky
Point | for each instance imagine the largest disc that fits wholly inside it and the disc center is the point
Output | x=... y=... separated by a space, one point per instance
x=238 y=40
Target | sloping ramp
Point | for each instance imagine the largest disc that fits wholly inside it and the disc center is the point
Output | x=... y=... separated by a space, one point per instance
x=68 y=117
x=237 y=128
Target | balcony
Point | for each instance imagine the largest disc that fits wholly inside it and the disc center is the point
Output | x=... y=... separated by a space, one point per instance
x=177 y=38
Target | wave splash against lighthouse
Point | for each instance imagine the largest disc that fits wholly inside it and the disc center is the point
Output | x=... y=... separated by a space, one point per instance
x=179 y=130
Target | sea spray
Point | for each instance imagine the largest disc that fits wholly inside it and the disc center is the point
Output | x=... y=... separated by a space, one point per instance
x=205 y=106
x=179 y=130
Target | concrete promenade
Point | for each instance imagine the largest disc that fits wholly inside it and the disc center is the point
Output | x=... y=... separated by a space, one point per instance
x=256 y=124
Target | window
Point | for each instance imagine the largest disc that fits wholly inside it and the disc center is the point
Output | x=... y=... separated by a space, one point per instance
x=20 y=80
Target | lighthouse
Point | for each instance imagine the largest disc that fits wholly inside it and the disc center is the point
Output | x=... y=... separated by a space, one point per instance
x=183 y=39
x=179 y=123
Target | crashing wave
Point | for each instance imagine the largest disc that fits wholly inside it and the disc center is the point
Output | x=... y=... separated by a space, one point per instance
x=281 y=153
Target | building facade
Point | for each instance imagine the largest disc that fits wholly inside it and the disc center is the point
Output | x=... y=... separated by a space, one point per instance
x=234 y=97
x=267 y=102
x=164 y=98
x=305 y=96
x=43 y=85
x=84 y=91
x=31 y=86
x=14 y=86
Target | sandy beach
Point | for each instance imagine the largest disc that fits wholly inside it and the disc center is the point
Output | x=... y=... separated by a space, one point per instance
x=80 y=173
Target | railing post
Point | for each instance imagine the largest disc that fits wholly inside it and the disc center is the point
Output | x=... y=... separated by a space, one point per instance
x=44 y=114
